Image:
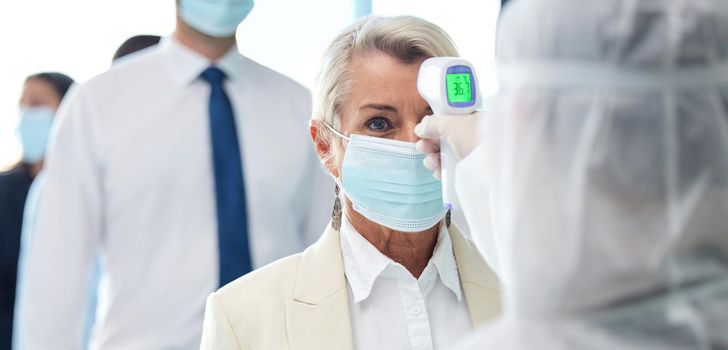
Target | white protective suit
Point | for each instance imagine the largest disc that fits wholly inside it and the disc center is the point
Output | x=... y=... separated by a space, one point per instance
x=599 y=191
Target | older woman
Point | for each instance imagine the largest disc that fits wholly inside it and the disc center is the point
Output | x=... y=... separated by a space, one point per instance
x=390 y=272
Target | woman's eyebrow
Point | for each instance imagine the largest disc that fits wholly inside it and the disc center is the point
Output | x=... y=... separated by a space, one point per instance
x=380 y=107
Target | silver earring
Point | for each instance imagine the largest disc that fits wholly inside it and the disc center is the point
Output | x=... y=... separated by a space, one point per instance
x=336 y=212
x=448 y=218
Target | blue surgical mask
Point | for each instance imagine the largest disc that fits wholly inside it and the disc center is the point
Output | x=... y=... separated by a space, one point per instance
x=33 y=130
x=218 y=18
x=388 y=184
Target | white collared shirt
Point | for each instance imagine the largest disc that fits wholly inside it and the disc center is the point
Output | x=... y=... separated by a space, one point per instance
x=129 y=174
x=391 y=309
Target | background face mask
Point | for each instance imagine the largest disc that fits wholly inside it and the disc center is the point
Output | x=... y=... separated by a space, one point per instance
x=388 y=184
x=35 y=126
x=218 y=18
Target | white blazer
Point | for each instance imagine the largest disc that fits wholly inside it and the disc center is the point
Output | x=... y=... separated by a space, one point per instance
x=300 y=302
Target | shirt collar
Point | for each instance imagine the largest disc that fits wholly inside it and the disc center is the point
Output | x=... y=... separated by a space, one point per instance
x=185 y=65
x=444 y=260
x=364 y=263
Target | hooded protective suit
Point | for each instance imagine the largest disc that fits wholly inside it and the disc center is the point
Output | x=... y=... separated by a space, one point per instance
x=599 y=191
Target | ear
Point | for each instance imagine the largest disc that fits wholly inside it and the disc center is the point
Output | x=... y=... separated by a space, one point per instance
x=323 y=148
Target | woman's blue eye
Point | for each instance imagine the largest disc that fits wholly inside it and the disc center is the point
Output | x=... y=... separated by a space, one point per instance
x=378 y=124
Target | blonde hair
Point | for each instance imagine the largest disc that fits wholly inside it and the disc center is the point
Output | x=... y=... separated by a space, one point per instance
x=406 y=38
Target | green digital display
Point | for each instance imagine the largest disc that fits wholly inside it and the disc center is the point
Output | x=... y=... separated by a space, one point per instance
x=458 y=87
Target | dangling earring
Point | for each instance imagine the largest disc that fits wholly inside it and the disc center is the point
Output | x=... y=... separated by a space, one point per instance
x=448 y=218
x=336 y=212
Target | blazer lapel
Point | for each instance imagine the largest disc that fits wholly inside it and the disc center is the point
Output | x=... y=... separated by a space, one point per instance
x=318 y=315
x=480 y=283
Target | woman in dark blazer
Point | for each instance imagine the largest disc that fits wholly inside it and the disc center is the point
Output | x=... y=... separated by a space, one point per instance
x=41 y=96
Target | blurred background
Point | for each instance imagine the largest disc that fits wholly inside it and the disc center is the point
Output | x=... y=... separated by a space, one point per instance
x=79 y=38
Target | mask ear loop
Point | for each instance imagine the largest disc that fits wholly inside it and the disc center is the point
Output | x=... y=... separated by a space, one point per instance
x=335 y=131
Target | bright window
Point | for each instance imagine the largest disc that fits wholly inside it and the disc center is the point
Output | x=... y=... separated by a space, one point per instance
x=79 y=37
x=470 y=23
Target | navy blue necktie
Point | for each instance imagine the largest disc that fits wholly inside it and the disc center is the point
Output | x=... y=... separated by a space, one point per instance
x=232 y=221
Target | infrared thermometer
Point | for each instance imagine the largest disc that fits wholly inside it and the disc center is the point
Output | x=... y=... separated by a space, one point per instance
x=450 y=86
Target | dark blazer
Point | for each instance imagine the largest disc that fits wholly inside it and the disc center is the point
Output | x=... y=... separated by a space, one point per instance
x=14 y=185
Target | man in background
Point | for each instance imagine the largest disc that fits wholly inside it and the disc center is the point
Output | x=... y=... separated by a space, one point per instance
x=184 y=168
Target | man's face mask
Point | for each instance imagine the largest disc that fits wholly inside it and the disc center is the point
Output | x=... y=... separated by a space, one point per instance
x=217 y=18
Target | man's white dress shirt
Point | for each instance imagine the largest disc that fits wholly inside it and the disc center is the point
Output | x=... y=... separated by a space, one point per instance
x=391 y=309
x=129 y=174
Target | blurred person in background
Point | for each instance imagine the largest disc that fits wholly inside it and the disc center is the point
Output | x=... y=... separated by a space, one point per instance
x=390 y=271
x=41 y=95
x=601 y=178
x=135 y=44
x=184 y=167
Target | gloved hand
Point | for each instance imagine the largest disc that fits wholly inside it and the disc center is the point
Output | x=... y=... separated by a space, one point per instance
x=460 y=132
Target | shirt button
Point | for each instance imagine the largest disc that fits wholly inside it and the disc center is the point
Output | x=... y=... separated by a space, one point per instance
x=415 y=310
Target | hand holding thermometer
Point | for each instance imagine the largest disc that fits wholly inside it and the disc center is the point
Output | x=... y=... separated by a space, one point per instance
x=450 y=86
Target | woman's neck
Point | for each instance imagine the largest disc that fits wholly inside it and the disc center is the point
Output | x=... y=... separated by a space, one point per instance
x=35 y=168
x=411 y=250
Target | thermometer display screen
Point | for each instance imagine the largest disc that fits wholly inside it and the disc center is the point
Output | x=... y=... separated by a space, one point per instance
x=459 y=87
